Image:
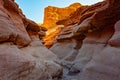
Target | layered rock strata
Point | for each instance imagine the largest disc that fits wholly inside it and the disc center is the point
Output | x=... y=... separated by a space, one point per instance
x=97 y=27
x=22 y=55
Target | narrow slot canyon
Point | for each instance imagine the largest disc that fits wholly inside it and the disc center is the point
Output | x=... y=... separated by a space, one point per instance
x=77 y=42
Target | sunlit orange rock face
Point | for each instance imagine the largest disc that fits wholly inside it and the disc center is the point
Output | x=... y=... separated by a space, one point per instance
x=52 y=36
x=53 y=14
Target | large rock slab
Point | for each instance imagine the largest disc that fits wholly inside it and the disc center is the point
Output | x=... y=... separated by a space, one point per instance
x=38 y=50
x=20 y=65
x=104 y=66
x=62 y=49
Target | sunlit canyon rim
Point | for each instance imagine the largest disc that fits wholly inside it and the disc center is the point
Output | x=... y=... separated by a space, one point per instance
x=82 y=44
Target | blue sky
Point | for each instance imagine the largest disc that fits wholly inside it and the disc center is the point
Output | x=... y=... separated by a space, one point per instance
x=34 y=9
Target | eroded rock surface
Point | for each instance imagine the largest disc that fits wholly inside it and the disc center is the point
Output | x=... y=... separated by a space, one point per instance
x=96 y=28
x=22 y=54
x=88 y=45
x=53 y=14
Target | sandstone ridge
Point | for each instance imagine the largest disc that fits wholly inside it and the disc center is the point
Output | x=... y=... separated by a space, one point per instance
x=53 y=14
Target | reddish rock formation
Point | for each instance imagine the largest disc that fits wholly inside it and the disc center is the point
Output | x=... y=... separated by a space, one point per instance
x=53 y=14
x=97 y=26
x=52 y=36
x=115 y=40
x=22 y=55
x=80 y=14
x=88 y=45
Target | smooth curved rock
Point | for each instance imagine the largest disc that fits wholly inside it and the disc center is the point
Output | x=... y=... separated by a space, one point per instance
x=20 y=65
x=62 y=49
x=104 y=66
x=115 y=40
x=22 y=55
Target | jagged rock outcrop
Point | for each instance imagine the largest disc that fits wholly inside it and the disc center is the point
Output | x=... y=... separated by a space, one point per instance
x=22 y=54
x=53 y=14
x=82 y=13
x=98 y=29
